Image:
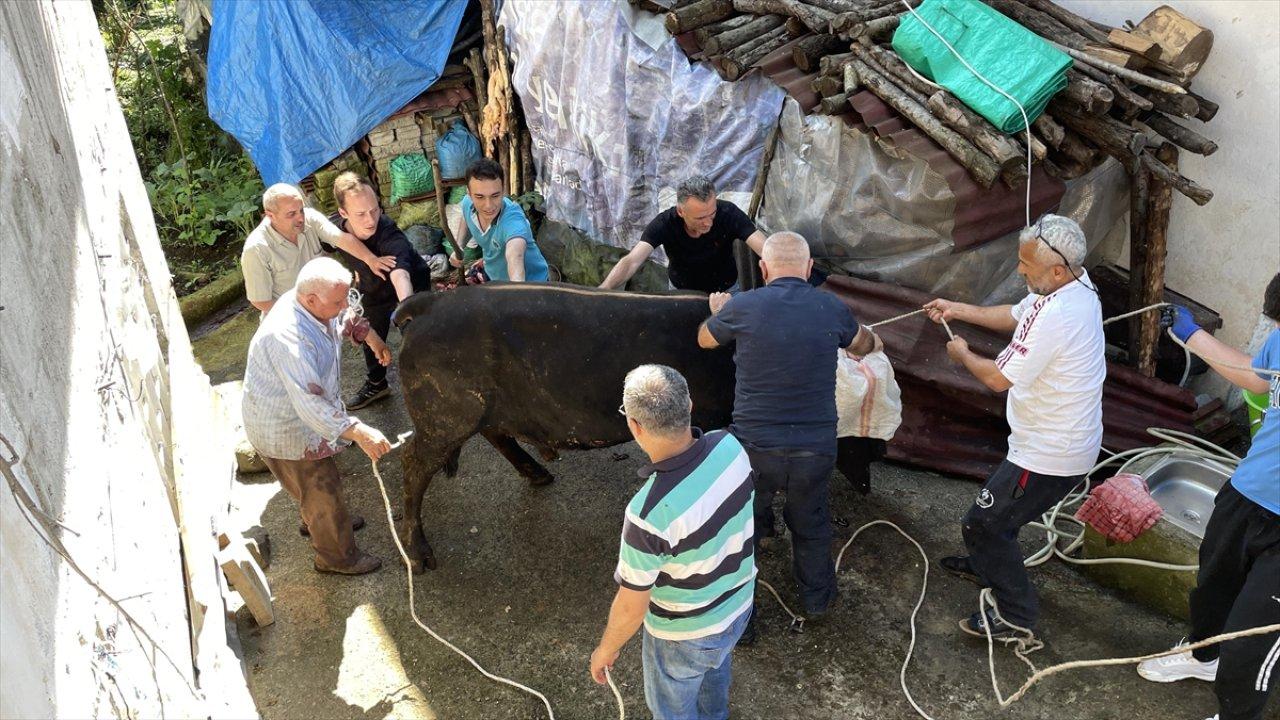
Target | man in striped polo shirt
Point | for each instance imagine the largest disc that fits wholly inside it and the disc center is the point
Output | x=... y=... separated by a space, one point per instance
x=687 y=568
x=1053 y=369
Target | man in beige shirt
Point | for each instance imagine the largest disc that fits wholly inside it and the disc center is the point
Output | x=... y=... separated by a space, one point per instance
x=288 y=237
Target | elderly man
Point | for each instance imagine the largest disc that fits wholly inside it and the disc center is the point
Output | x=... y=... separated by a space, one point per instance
x=698 y=234
x=1053 y=370
x=360 y=214
x=687 y=565
x=287 y=238
x=786 y=335
x=293 y=414
x=1238 y=583
x=499 y=227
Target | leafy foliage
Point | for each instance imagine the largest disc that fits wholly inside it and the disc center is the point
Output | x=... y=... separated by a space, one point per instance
x=204 y=190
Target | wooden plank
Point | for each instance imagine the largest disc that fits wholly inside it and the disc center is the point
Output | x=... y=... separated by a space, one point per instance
x=1116 y=57
x=1135 y=44
x=248 y=579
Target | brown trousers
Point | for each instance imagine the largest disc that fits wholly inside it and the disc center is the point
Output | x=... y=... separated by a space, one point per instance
x=317 y=487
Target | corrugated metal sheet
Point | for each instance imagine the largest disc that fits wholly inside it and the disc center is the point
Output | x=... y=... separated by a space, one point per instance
x=981 y=214
x=952 y=423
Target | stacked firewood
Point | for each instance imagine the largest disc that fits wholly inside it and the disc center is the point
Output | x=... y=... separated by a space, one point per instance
x=1123 y=89
x=503 y=132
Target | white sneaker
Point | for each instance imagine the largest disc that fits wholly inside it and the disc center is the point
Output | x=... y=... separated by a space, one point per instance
x=1182 y=666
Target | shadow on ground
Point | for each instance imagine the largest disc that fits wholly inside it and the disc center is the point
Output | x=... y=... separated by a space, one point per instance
x=525 y=581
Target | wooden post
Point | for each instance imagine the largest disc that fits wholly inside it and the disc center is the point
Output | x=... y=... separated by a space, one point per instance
x=1139 y=179
x=1159 y=201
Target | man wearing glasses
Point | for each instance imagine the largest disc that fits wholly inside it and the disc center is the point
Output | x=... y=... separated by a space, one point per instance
x=1053 y=370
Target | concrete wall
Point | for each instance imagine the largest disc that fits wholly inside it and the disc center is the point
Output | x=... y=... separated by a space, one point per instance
x=112 y=424
x=1223 y=254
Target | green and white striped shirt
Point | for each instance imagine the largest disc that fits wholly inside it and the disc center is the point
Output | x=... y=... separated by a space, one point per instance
x=689 y=536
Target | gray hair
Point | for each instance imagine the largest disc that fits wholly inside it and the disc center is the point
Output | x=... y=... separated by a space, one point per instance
x=1063 y=234
x=785 y=249
x=699 y=186
x=321 y=274
x=280 y=190
x=657 y=397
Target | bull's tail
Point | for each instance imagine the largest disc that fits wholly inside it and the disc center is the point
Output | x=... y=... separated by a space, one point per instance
x=451 y=465
x=412 y=306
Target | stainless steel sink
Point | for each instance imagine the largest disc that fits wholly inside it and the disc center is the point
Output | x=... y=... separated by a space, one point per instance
x=1185 y=486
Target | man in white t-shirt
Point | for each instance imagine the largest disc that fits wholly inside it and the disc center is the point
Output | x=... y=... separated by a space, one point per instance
x=1053 y=369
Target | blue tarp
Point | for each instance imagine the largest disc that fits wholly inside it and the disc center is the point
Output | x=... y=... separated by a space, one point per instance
x=299 y=82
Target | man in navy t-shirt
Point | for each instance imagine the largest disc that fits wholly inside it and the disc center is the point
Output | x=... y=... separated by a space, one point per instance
x=784 y=412
x=1238 y=584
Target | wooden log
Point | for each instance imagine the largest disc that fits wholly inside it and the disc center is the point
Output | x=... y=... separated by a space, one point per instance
x=983 y=169
x=737 y=62
x=1129 y=102
x=727 y=41
x=1179 y=105
x=1068 y=19
x=1208 y=108
x=835 y=6
x=696 y=15
x=1093 y=96
x=1039 y=23
x=705 y=32
x=762 y=177
x=806 y=53
x=880 y=29
x=1132 y=76
x=814 y=18
x=1159 y=202
x=894 y=71
x=1064 y=168
x=973 y=127
x=1111 y=134
x=1136 y=44
x=1075 y=148
x=1139 y=188
x=1183 y=137
x=832 y=64
x=1049 y=130
x=475 y=61
x=834 y=104
x=248 y=579
x=825 y=85
x=851 y=82
x=526 y=162
x=794 y=27
x=1198 y=193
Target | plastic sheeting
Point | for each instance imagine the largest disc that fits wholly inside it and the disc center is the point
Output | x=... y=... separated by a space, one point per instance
x=299 y=82
x=890 y=218
x=618 y=113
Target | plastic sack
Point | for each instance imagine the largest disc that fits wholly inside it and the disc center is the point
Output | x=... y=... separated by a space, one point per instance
x=1010 y=56
x=456 y=149
x=410 y=176
x=868 y=400
x=424 y=239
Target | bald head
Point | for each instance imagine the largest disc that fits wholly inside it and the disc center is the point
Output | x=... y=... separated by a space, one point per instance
x=786 y=254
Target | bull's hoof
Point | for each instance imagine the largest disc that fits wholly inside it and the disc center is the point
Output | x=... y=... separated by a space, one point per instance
x=541 y=480
x=420 y=565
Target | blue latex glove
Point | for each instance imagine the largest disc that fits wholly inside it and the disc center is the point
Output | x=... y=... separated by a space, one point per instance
x=1184 y=326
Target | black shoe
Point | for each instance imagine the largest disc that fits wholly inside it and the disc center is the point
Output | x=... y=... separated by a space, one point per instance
x=975 y=625
x=367 y=395
x=818 y=616
x=960 y=566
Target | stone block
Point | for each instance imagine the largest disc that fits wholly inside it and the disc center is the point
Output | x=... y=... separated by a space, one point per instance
x=381 y=136
x=247 y=458
x=1164 y=590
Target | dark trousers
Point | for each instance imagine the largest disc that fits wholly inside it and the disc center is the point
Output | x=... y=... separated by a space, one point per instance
x=1237 y=588
x=803 y=478
x=317 y=488
x=379 y=317
x=854 y=456
x=1011 y=498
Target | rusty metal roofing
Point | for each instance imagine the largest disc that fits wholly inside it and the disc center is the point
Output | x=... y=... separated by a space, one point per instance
x=981 y=214
x=952 y=423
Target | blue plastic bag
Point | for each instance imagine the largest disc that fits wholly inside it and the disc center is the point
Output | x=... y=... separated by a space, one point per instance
x=456 y=150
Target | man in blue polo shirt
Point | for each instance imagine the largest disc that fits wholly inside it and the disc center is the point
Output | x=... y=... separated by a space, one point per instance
x=784 y=411
x=1238 y=583
x=499 y=227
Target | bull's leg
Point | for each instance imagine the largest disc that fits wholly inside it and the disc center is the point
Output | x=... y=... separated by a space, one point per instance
x=523 y=462
x=422 y=460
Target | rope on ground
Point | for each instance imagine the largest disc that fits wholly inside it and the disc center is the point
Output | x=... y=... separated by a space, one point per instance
x=408 y=570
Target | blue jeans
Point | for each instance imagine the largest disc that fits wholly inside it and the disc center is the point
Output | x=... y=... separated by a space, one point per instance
x=689 y=679
x=804 y=478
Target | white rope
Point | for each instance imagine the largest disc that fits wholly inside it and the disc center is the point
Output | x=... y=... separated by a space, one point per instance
x=1025 y=120
x=408 y=571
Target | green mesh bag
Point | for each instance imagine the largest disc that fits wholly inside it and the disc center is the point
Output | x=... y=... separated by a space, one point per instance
x=410 y=176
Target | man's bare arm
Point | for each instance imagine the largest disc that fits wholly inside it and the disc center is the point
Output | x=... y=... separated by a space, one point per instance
x=627 y=266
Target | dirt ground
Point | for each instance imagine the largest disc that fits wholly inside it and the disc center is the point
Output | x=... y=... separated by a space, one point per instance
x=525 y=581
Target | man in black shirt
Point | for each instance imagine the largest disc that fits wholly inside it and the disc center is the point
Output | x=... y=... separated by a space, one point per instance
x=360 y=214
x=698 y=234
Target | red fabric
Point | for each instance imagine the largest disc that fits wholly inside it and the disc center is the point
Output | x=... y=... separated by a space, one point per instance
x=1121 y=508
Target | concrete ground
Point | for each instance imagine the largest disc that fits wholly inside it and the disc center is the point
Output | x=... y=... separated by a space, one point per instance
x=525 y=581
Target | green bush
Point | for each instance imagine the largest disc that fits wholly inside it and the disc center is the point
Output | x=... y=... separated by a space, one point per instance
x=203 y=205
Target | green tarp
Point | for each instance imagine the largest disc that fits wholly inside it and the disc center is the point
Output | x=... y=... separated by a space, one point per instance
x=1007 y=54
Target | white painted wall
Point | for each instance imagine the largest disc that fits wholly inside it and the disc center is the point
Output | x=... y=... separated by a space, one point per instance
x=112 y=424
x=1223 y=254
